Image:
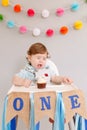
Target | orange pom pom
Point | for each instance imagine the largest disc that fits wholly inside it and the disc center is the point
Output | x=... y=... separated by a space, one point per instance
x=17 y=8
x=64 y=30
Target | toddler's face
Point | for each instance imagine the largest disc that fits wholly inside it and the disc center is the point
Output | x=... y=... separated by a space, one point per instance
x=38 y=61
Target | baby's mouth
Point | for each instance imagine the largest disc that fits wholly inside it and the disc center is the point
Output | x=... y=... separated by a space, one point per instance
x=39 y=65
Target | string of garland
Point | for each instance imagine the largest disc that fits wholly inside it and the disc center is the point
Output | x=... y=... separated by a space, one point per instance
x=77 y=25
x=17 y=8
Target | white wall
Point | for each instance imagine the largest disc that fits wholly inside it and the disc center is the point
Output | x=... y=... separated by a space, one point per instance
x=68 y=52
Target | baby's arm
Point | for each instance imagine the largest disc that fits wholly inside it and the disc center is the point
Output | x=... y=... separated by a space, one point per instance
x=55 y=78
x=18 y=81
x=60 y=79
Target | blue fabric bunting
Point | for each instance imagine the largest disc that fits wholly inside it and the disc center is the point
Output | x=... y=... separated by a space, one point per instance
x=85 y=124
x=12 y=124
x=79 y=123
x=59 y=113
x=4 y=125
x=32 y=119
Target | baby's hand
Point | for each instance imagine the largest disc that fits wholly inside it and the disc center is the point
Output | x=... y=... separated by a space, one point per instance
x=61 y=79
x=67 y=80
x=27 y=83
x=17 y=81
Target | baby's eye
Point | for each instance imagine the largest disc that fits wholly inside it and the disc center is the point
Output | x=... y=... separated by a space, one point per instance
x=44 y=58
x=38 y=58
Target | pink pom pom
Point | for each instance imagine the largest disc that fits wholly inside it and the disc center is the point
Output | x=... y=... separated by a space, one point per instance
x=30 y=12
x=23 y=29
x=59 y=12
x=50 y=32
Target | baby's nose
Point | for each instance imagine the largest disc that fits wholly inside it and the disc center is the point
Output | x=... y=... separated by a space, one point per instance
x=41 y=60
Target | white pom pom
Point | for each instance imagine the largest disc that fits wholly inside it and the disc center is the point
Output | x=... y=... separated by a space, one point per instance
x=45 y=13
x=36 y=32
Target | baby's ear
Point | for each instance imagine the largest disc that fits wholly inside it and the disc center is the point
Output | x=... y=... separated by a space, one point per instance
x=28 y=57
x=48 y=55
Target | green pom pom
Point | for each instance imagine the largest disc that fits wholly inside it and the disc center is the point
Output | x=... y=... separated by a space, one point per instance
x=1 y=17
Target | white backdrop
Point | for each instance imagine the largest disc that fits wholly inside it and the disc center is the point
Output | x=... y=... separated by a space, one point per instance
x=68 y=51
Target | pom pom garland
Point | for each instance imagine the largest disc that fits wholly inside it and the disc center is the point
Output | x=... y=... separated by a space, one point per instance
x=75 y=6
x=30 y=12
x=1 y=17
x=59 y=11
x=36 y=32
x=78 y=25
x=17 y=8
x=45 y=13
x=50 y=32
x=5 y=2
x=22 y=29
x=10 y=24
x=64 y=30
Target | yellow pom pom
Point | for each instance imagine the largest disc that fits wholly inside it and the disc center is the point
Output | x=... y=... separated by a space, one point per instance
x=5 y=2
x=78 y=25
